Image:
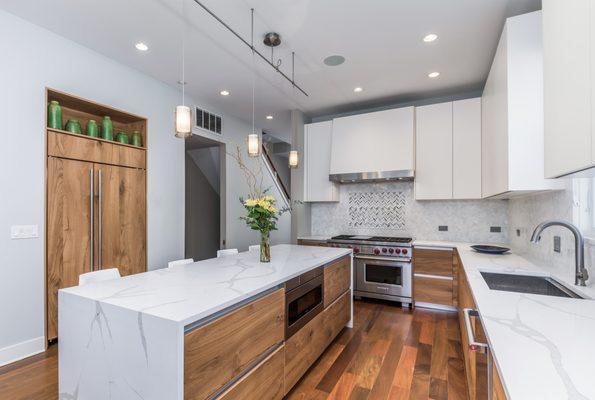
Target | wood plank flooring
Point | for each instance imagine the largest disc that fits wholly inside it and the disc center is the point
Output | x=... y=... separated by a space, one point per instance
x=390 y=354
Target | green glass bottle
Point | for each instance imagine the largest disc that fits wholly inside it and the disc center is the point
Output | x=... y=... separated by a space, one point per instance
x=136 y=139
x=54 y=115
x=122 y=137
x=107 y=128
x=73 y=126
x=92 y=128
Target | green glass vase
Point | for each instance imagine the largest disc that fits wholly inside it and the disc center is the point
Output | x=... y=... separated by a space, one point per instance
x=54 y=115
x=73 y=126
x=136 y=139
x=107 y=129
x=92 y=128
x=122 y=137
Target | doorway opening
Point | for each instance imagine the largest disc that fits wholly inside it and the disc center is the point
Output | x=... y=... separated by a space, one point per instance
x=205 y=197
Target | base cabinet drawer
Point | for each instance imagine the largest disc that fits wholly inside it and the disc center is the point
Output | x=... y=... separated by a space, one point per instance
x=304 y=348
x=337 y=279
x=433 y=290
x=433 y=262
x=498 y=392
x=263 y=382
x=219 y=351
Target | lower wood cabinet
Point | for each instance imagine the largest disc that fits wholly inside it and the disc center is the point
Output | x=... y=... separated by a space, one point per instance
x=498 y=392
x=433 y=290
x=220 y=351
x=337 y=279
x=303 y=348
x=303 y=242
x=264 y=382
x=434 y=276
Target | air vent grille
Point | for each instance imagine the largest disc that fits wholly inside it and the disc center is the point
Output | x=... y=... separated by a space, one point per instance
x=207 y=120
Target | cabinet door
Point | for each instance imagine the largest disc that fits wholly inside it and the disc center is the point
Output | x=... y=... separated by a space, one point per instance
x=466 y=149
x=122 y=229
x=317 y=161
x=567 y=86
x=433 y=150
x=69 y=194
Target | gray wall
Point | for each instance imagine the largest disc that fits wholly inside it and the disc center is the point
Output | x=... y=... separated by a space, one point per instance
x=202 y=214
x=300 y=215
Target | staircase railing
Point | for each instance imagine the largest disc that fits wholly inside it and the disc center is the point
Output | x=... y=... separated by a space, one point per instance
x=275 y=175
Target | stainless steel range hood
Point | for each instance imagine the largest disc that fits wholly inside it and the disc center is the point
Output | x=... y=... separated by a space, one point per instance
x=378 y=176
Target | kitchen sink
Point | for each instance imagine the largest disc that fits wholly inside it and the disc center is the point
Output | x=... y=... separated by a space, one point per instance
x=527 y=284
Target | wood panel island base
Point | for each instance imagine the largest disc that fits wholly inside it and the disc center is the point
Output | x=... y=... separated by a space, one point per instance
x=213 y=329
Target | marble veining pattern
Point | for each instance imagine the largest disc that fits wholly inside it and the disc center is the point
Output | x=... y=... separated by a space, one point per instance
x=123 y=339
x=540 y=344
x=467 y=220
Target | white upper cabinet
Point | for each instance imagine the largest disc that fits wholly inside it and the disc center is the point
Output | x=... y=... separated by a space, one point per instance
x=466 y=149
x=512 y=112
x=372 y=142
x=448 y=150
x=568 y=40
x=433 y=152
x=317 y=159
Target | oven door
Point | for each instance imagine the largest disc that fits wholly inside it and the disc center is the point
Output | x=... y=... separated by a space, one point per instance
x=383 y=276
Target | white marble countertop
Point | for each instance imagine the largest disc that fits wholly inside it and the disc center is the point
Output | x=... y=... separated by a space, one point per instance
x=186 y=294
x=315 y=238
x=541 y=344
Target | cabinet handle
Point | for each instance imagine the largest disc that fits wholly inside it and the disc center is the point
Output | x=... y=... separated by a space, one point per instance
x=91 y=216
x=99 y=219
x=473 y=344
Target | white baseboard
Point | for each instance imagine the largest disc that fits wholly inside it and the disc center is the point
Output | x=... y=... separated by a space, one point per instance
x=22 y=350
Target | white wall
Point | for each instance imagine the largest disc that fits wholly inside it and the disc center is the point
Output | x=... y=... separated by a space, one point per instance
x=37 y=58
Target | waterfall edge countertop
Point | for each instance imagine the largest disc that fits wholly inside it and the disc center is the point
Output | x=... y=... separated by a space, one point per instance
x=125 y=338
x=194 y=291
x=541 y=345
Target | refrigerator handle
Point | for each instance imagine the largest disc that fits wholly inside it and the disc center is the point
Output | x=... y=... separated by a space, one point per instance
x=99 y=219
x=91 y=216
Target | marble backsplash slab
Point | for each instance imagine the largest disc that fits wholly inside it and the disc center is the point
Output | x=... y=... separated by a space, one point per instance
x=391 y=209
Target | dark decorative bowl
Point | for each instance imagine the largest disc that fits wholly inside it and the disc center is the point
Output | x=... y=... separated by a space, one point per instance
x=484 y=248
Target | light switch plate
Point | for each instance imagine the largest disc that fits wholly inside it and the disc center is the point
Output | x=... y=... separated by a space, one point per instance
x=24 y=231
x=557 y=244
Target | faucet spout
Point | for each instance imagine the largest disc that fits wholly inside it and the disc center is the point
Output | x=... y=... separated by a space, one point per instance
x=581 y=274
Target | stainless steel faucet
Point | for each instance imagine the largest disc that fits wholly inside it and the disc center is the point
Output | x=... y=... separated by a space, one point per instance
x=581 y=274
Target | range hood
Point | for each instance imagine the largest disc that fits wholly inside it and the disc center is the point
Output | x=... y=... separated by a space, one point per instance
x=373 y=147
x=378 y=176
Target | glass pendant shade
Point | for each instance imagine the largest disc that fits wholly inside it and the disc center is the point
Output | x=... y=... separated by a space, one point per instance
x=253 y=145
x=183 y=122
x=293 y=159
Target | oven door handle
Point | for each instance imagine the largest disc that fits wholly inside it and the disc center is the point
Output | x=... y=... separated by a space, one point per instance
x=389 y=259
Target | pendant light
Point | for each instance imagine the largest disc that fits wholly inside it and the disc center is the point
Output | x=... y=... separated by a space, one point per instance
x=294 y=159
x=183 y=113
x=254 y=144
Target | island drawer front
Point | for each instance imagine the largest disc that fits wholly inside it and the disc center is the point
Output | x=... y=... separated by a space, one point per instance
x=337 y=279
x=433 y=290
x=263 y=382
x=303 y=348
x=433 y=262
x=80 y=148
x=219 y=351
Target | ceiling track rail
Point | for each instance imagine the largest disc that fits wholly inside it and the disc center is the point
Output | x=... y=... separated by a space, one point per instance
x=251 y=45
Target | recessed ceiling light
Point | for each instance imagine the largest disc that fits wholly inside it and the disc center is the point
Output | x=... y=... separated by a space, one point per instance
x=430 y=38
x=433 y=74
x=358 y=89
x=141 y=46
x=269 y=117
x=224 y=93
x=333 y=61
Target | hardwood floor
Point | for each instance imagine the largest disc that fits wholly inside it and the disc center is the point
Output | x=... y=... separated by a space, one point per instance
x=390 y=354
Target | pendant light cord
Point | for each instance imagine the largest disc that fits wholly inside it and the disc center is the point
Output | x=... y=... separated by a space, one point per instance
x=183 y=58
x=253 y=67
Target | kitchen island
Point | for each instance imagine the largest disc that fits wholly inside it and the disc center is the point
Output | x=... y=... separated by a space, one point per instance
x=176 y=333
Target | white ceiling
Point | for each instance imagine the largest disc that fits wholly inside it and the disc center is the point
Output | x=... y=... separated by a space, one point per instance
x=380 y=39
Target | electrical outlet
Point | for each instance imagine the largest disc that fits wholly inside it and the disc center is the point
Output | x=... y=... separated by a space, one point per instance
x=24 y=232
x=518 y=233
x=557 y=244
x=442 y=228
x=495 y=229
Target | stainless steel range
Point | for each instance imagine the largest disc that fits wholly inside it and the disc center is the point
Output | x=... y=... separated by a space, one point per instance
x=382 y=266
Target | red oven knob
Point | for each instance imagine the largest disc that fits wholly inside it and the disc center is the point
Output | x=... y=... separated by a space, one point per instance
x=398 y=251
x=376 y=251
x=391 y=250
x=384 y=250
x=356 y=250
x=404 y=251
